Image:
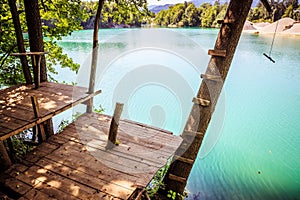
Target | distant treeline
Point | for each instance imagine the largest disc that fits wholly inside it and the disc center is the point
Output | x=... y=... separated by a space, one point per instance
x=182 y=14
x=207 y=15
x=117 y=15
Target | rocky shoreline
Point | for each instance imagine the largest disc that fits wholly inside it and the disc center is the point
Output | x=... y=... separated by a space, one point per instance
x=284 y=26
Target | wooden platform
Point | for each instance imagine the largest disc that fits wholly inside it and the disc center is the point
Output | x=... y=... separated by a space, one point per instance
x=16 y=112
x=75 y=164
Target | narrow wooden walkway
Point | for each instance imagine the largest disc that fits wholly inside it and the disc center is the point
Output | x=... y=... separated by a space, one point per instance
x=75 y=164
x=16 y=111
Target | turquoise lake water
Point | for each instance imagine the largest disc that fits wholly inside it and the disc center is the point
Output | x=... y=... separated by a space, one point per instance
x=252 y=147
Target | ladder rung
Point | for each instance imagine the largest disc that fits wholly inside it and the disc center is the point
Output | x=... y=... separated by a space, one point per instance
x=226 y=21
x=211 y=77
x=182 y=159
x=215 y=52
x=193 y=134
x=201 y=102
x=177 y=178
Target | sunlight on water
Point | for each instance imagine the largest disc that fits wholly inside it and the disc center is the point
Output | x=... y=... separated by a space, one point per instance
x=257 y=153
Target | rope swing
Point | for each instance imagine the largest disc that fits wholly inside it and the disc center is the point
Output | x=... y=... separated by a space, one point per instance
x=269 y=56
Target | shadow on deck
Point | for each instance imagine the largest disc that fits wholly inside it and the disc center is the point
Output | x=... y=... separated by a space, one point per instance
x=75 y=164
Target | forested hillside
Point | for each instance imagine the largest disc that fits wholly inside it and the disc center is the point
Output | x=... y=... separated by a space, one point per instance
x=207 y=15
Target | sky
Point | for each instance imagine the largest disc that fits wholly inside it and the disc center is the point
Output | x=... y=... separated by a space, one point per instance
x=163 y=2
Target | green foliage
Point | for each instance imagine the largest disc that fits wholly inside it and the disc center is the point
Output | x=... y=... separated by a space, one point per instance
x=157 y=181
x=64 y=123
x=99 y=110
x=122 y=12
x=174 y=195
x=20 y=148
x=186 y=14
x=207 y=15
x=59 y=18
x=281 y=9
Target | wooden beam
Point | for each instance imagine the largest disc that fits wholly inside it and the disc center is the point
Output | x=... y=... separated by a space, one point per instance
x=113 y=130
x=37 y=114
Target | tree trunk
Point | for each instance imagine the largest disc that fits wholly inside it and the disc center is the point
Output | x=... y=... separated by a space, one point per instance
x=208 y=94
x=35 y=34
x=36 y=43
x=20 y=40
x=94 y=56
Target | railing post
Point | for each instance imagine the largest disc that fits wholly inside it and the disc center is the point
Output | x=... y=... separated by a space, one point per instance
x=36 y=111
x=113 y=130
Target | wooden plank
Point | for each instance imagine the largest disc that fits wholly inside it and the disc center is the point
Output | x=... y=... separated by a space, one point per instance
x=106 y=118
x=217 y=52
x=131 y=150
x=132 y=131
x=4 y=129
x=62 y=87
x=165 y=148
x=15 y=169
x=48 y=116
x=115 y=188
x=116 y=160
x=36 y=194
x=13 y=123
x=17 y=186
x=24 y=115
x=97 y=168
x=52 y=181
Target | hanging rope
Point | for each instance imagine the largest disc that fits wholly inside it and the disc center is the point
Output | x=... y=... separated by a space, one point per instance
x=271 y=48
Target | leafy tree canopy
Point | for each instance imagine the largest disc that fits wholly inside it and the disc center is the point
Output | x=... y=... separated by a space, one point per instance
x=59 y=18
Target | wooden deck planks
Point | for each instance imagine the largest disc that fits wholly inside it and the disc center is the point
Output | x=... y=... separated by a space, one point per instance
x=67 y=167
x=16 y=110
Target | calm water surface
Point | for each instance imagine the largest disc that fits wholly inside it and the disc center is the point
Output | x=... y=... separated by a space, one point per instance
x=252 y=148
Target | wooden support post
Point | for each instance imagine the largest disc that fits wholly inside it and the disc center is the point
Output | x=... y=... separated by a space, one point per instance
x=6 y=159
x=36 y=64
x=36 y=111
x=36 y=58
x=89 y=108
x=113 y=130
